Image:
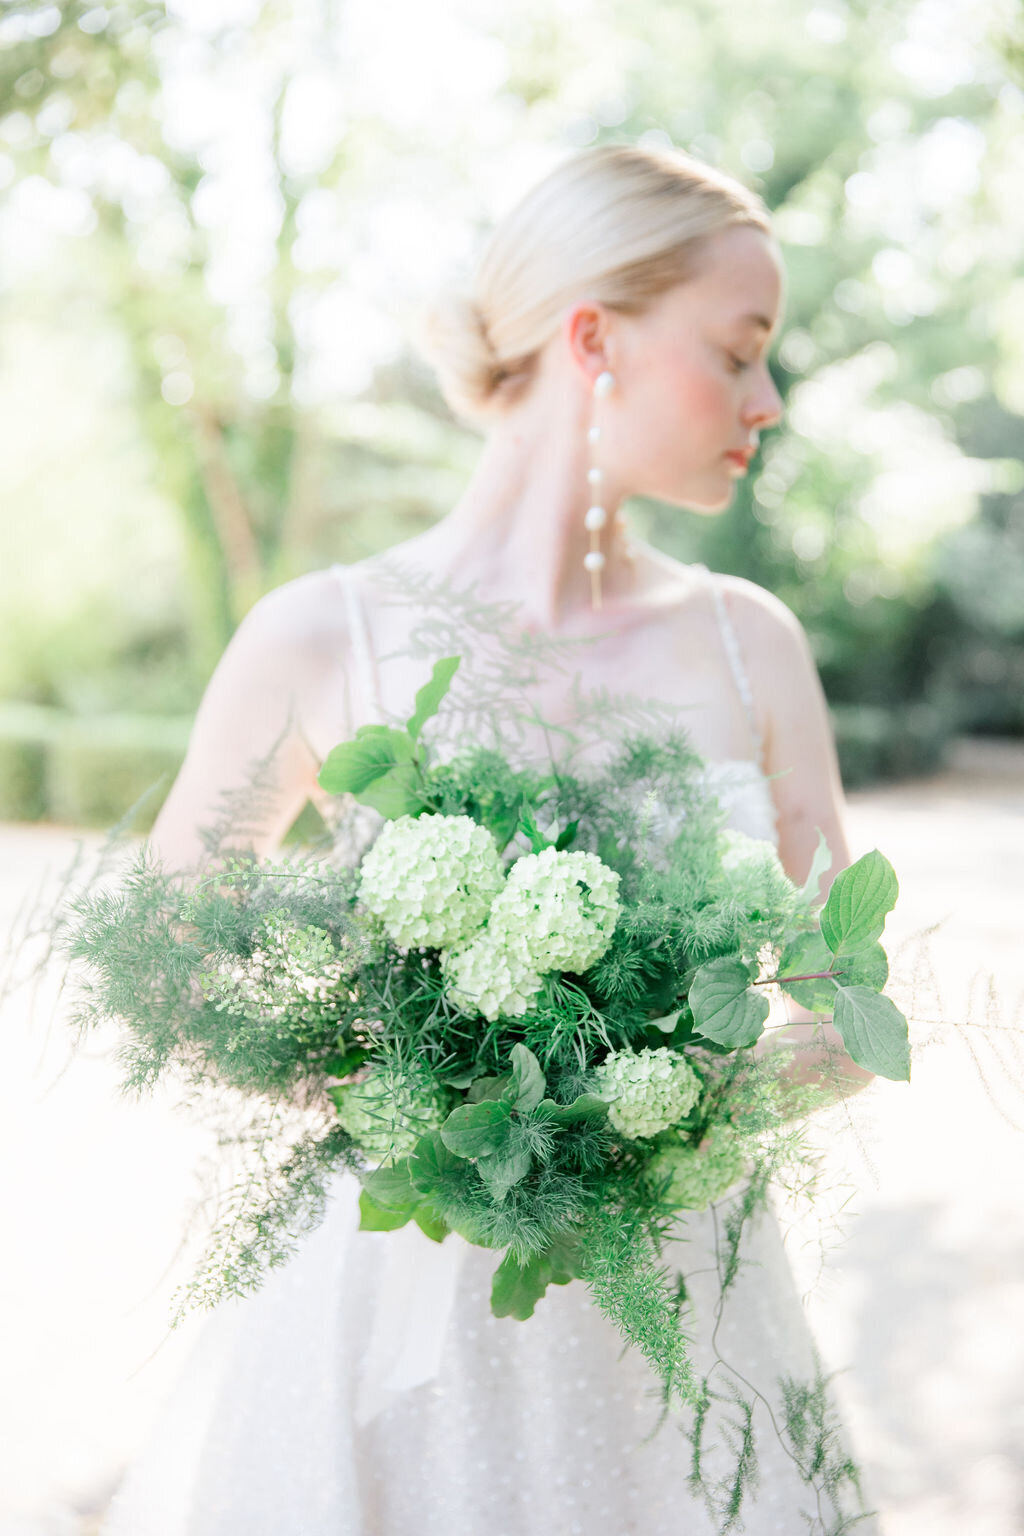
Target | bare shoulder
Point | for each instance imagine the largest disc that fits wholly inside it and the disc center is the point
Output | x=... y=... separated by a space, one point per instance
x=771 y=637
x=303 y=614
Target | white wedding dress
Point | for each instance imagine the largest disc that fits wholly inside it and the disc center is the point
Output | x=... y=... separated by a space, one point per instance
x=366 y=1389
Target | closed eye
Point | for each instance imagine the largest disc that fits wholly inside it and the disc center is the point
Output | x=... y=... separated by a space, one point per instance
x=737 y=363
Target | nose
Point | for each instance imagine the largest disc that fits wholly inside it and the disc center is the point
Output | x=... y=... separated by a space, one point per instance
x=764 y=408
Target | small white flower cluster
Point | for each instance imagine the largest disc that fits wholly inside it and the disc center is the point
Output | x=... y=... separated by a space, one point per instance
x=561 y=907
x=647 y=1091
x=292 y=972
x=386 y=1114
x=435 y=881
x=431 y=879
x=556 y=912
x=490 y=977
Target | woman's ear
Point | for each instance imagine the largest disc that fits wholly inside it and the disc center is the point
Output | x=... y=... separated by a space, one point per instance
x=587 y=329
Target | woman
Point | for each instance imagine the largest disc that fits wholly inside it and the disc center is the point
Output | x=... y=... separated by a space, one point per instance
x=613 y=345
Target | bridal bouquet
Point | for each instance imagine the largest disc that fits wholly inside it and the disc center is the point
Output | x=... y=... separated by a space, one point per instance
x=531 y=1016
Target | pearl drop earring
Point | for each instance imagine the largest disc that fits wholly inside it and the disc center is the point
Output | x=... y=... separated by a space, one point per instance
x=597 y=515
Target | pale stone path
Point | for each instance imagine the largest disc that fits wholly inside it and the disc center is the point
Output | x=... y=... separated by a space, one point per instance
x=922 y=1306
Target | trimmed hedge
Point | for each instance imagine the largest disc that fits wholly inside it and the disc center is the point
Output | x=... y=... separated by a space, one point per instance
x=89 y=770
x=86 y=770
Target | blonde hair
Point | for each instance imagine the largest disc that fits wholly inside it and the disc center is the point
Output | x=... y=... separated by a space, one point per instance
x=617 y=224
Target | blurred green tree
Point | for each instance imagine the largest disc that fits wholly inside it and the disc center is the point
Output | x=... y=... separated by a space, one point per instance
x=885 y=136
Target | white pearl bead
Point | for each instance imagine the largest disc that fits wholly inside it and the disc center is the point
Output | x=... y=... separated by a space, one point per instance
x=604 y=384
x=594 y=435
x=593 y=560
x=595 y=519
x=594 y=475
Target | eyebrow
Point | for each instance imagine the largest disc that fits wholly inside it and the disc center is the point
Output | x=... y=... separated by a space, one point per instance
x=761 y=320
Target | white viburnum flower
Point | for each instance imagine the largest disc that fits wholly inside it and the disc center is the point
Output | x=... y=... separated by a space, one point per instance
x=560 y=907
x=490 y=977
x=431 y=879
x=647 y=1091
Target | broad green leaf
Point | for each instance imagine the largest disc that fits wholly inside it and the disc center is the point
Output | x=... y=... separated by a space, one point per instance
x=805 y=955
x=430 y=1161
x=353 y=765
x=587 y=1106
x=392 y=1185
x=526 y=1088
x=502 y=1170
x=517 y=1288
x=861 y=897
x=379 y=1218
x=477 y=1130
x=428 y=698
x=396 y=793
x=430 y=1222
x=821 y=863
x=725 y=1007
x=488 y=1088
x=867 y=968
x=874 y=1032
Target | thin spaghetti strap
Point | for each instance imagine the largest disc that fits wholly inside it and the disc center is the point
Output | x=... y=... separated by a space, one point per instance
x=734 y=656
x=362 y=651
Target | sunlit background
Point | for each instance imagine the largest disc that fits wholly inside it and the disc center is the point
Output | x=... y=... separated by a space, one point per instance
x=218 y=219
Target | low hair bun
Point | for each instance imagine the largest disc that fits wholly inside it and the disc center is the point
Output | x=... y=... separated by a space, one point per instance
x=453 y=337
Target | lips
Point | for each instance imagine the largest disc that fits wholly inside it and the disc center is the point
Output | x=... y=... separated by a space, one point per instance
x=742 y=457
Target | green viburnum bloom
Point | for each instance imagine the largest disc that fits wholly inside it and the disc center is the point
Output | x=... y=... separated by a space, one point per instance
x=647 y=1091
x=752 y=866
x=431 y=879
x=386 y=1114
x=699 y=1175
x=491 y=977
x=561 y=908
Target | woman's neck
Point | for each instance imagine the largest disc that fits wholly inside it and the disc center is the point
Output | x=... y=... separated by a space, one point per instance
x=517 y=531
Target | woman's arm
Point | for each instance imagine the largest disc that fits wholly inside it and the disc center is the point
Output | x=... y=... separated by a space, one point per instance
x=808 y=793
x=253 y=710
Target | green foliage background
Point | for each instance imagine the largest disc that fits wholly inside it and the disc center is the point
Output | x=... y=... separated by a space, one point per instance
x=191 y=422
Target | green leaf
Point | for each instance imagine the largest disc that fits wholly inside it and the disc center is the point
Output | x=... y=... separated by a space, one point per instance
x=587 y=1106
x=860 y=899
x=526 y=1088
x=488 y=1088
x=517 y=1288
x=821 y=863
x=567 y=836
x=806 y=954
x=725 y=1007
x=394 y=794
x=430 y=1222
x=428 y=698
x=430 y=1161
x=354 y=765
x=867 y=968
x=501 y=1170
x=874 y=1032
x=392 y=1185
x=344 y=1063
x=529 y=828
x=378 y=1218
x=477 y=1130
